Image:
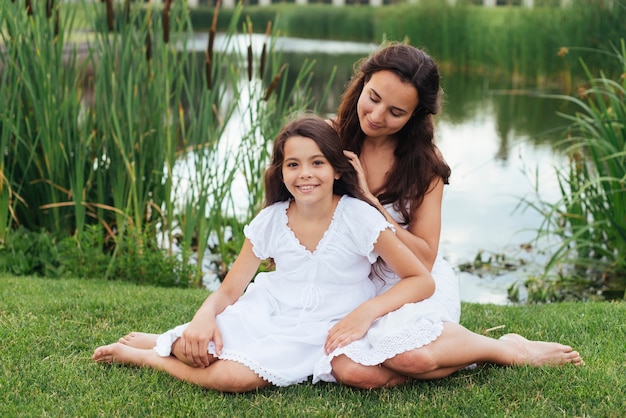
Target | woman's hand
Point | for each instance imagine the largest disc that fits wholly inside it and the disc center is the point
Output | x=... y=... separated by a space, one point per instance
x=195 y=340
x=349 y=329
x=356 y=163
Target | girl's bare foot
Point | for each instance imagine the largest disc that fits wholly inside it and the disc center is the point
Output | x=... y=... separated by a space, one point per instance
x=541 y=353
x=123 y=354
x=141 y=340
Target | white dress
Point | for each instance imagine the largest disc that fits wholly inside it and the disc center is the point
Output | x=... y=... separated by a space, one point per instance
x=409 y=327
x=279 y=326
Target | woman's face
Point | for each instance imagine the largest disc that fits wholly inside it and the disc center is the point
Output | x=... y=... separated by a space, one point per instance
x=386 y=104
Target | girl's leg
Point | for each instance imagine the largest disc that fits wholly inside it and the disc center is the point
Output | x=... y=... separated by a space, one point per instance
x=139 y=340
x=457 y=347
x=147 y=341
x=357 y=375
x=222 y=375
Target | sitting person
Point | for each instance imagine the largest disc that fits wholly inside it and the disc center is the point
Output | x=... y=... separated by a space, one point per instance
x=385 y=123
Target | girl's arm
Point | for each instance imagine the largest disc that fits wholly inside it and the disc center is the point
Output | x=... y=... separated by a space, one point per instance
x=423 y=234
x=202 y=329
x=416 y=284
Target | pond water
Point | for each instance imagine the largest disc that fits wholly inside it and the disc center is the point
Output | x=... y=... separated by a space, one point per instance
x=496 y=141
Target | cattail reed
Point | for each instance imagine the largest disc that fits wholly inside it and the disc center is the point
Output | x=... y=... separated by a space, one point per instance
x=275 y=81
x=250 y=50
x=49 y=8
x=109 y=6
x=148 y=41
x=209 y=50
x=148 y=46
x=264 y=50
x=127 y=11
x=166 y=22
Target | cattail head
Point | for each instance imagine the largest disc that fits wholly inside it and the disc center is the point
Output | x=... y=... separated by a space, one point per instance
x=274 y=83
x=268 y=29
x=166 y=21
x=109 y=6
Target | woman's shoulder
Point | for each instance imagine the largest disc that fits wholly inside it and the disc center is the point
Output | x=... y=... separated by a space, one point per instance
x=358 y=210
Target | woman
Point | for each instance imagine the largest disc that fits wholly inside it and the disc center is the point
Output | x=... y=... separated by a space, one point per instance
x=385 y=121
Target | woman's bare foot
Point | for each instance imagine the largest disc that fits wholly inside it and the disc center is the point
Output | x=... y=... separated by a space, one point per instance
x=541 y=353
x=141 y=340
x=123 y=354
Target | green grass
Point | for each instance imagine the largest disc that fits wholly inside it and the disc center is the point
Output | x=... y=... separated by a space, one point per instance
x=49 y=329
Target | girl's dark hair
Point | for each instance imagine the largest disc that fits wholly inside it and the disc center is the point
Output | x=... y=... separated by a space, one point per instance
x=326 y=138
x=418 y=161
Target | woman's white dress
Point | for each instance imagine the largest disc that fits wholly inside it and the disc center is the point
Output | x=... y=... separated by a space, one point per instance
x=409 y=327
x=279 y=326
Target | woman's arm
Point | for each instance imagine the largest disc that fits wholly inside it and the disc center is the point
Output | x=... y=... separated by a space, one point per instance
x=416 y=284
x=202 y=329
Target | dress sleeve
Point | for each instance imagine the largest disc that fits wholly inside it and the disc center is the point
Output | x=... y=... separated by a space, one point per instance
x=365 y=223
x=260 y=231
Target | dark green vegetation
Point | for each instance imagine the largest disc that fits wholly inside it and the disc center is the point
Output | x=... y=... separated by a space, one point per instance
x=528 y=45
x=49 y=329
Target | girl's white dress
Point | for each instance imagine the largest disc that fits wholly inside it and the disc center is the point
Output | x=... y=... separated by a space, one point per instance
x=279 y=326
x=409 y=327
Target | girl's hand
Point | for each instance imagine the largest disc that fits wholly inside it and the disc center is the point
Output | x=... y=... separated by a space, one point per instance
x=356 y=163
x=351 y=328
x=195 y=341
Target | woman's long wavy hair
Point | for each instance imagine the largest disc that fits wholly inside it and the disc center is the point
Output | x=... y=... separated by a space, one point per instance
x=327 y=139
x=417 y=160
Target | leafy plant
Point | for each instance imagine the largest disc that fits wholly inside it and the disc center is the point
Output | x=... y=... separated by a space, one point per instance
x=589 y=220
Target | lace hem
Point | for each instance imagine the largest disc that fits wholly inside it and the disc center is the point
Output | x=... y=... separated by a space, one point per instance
x=363 y=352
x=263 y=373
x=164 y=342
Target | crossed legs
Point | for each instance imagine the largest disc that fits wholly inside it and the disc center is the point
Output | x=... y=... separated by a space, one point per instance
x=222 y=375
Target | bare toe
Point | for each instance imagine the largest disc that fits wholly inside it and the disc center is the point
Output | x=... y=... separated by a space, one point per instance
x=103 y=354
x=139 y=340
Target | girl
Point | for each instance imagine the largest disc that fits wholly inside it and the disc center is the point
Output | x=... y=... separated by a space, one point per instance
x=323 y=241
x=385 y=121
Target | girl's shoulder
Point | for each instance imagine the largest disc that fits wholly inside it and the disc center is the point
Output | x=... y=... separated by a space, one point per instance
x=270 y=213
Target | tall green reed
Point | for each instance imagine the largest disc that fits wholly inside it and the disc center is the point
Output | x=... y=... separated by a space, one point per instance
x=137 y=134
x=590 y=218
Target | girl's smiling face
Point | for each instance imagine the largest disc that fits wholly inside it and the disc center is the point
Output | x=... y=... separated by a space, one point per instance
x=307 y=174
x=386 y=104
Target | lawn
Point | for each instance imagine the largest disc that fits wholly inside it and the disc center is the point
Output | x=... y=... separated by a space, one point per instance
x=49 y=329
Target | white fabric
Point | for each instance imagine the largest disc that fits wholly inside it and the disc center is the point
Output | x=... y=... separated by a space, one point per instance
x=278 y=327
x=412 y=326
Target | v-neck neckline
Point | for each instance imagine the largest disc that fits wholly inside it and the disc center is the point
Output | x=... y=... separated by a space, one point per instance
x=322 y=242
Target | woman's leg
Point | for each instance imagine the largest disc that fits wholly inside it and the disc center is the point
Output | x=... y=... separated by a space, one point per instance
x=222 y=375
x=457 y=347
